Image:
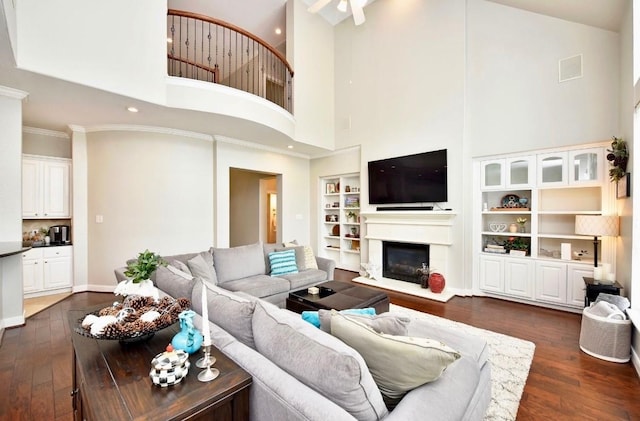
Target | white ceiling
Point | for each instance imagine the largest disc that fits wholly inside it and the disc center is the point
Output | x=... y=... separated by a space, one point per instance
x=54 y=104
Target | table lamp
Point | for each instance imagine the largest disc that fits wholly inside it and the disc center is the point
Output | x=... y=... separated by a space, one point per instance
x=597 y=226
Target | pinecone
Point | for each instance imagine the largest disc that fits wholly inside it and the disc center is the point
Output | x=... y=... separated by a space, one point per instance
x=110 y=311
x=164 y=320
x=184 y=303
x=135 y=301
x=165 y=302
x=112 y=330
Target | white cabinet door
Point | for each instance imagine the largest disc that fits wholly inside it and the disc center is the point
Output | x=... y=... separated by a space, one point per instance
x=551 y=282
x=575 y=283
x=492 y=174
x=31 y=188
x=518 y=277
x=46 y=187
x=491 y=274
x=56 y=190
x=520 y=172
x=57 y=272
x=553 y=169
x=31 y=275
x=586 y=167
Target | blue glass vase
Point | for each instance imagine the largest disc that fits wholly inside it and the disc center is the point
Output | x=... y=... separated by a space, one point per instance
x=189 y=339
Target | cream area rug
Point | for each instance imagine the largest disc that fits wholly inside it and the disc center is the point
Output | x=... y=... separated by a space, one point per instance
x=510 y=360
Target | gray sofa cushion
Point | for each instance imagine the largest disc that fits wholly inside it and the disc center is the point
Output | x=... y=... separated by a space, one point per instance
x=305 y=278
x=175 y=285
x=398 y=364
x=238 y=262
x=232 y=313
x=201 y=266
x=259 y=285
x=305 y=352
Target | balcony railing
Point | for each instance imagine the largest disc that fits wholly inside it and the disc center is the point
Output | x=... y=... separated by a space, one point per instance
x=208 y=49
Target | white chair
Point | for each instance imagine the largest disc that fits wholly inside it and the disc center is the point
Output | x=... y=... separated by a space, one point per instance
x=605 y=337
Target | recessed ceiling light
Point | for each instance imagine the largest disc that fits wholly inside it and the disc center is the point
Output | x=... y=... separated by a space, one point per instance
x=278 y=31
x=290 y=146
x=169 y=40
x=132 y=109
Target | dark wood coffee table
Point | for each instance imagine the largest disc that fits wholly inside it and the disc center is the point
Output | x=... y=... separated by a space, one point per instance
x=111 y=382
x=338 y=296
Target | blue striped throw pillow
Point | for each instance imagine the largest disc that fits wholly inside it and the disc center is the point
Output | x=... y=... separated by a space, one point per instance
x=283 y=262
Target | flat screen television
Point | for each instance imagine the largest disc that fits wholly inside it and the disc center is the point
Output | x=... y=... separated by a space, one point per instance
x=414 y=178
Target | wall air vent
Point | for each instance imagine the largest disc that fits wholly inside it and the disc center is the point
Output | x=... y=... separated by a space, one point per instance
x=570 y=68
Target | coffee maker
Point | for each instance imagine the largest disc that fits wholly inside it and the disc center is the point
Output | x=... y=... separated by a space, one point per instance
x=60 y=234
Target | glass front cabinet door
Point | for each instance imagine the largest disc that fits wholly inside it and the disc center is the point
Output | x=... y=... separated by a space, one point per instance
x=519 y=172
x=493 y=174
x=552 y=169
x=586 y=166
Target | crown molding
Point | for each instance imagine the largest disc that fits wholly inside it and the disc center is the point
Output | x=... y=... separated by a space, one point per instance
x=13 y=93
x=252 y=145
x=146 y=129
x=45 y=132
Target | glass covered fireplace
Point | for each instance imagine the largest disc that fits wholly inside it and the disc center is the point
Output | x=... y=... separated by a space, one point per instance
x=402 y=260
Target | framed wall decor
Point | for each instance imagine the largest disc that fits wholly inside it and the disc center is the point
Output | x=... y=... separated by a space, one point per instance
x=331 y=188
x=623 y=186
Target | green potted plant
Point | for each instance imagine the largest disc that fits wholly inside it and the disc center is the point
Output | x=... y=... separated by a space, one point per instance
x=139 y=272
x=144 y=266
x=351 y=216
x=618 y=157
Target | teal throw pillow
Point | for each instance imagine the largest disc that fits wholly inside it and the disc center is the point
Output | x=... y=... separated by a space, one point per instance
x=283 y=262
x=313 y=317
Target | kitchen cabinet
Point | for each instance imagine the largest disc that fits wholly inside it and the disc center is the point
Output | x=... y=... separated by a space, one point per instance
x=47 y=270
x=46 y=187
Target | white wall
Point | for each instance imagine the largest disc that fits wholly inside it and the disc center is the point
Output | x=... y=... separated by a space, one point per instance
x=154 y=190
x=293 y=188
x=310 y=50
x=45 y=142
x=11 y=309
x=514 y=99
x=118 y=46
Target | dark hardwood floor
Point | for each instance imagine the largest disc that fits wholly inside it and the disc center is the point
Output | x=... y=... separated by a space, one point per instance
x=563 y=384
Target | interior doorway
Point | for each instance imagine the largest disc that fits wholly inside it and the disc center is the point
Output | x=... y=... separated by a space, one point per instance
x=252 y=216
x=272 y=217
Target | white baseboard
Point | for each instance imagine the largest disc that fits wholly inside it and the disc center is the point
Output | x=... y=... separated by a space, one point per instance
x=93 y=288
x=635 y=360
x=12 y=321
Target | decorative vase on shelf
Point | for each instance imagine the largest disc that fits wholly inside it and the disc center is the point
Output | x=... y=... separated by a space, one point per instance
x=436 y=282
x=189 y=339
x=513 y=227
x=423 y=275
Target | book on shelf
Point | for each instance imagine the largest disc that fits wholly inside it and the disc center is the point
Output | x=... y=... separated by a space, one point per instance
x=495 y=246
x=494 y=250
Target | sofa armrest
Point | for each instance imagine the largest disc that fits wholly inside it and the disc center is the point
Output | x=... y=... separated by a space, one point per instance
x=120 y=276
x=327 y=265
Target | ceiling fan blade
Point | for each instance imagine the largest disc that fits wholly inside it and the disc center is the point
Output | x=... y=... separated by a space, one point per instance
x=317 y=6
x=358 y=13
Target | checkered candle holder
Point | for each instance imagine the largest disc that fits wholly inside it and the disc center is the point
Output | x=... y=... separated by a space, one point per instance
x=169 y=367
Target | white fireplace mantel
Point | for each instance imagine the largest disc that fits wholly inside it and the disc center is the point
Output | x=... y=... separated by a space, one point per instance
x=420 y=227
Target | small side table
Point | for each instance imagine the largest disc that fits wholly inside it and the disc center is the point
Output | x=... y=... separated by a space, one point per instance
x=595 y=287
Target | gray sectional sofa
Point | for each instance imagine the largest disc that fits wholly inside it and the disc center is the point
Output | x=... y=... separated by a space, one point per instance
x=301 y=372
x=247 y=269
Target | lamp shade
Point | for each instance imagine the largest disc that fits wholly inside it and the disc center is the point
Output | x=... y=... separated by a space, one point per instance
x=597 y=225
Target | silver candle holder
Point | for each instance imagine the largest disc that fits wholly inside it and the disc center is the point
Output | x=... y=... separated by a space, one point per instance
x=206 y=362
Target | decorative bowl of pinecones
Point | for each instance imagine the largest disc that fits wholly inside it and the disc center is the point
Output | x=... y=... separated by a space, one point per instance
x=135 y=318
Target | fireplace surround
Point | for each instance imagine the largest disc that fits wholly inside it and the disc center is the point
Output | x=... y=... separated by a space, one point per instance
x=432 y=228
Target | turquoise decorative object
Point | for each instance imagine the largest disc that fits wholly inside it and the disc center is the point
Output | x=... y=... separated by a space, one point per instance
x=189 y=339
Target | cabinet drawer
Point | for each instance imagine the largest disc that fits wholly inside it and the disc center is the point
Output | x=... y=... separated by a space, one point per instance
x=63 y=251
x=34 y=253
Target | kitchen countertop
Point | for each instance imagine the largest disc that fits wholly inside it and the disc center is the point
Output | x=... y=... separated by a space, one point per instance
x=36 y=246
x=9 y=248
